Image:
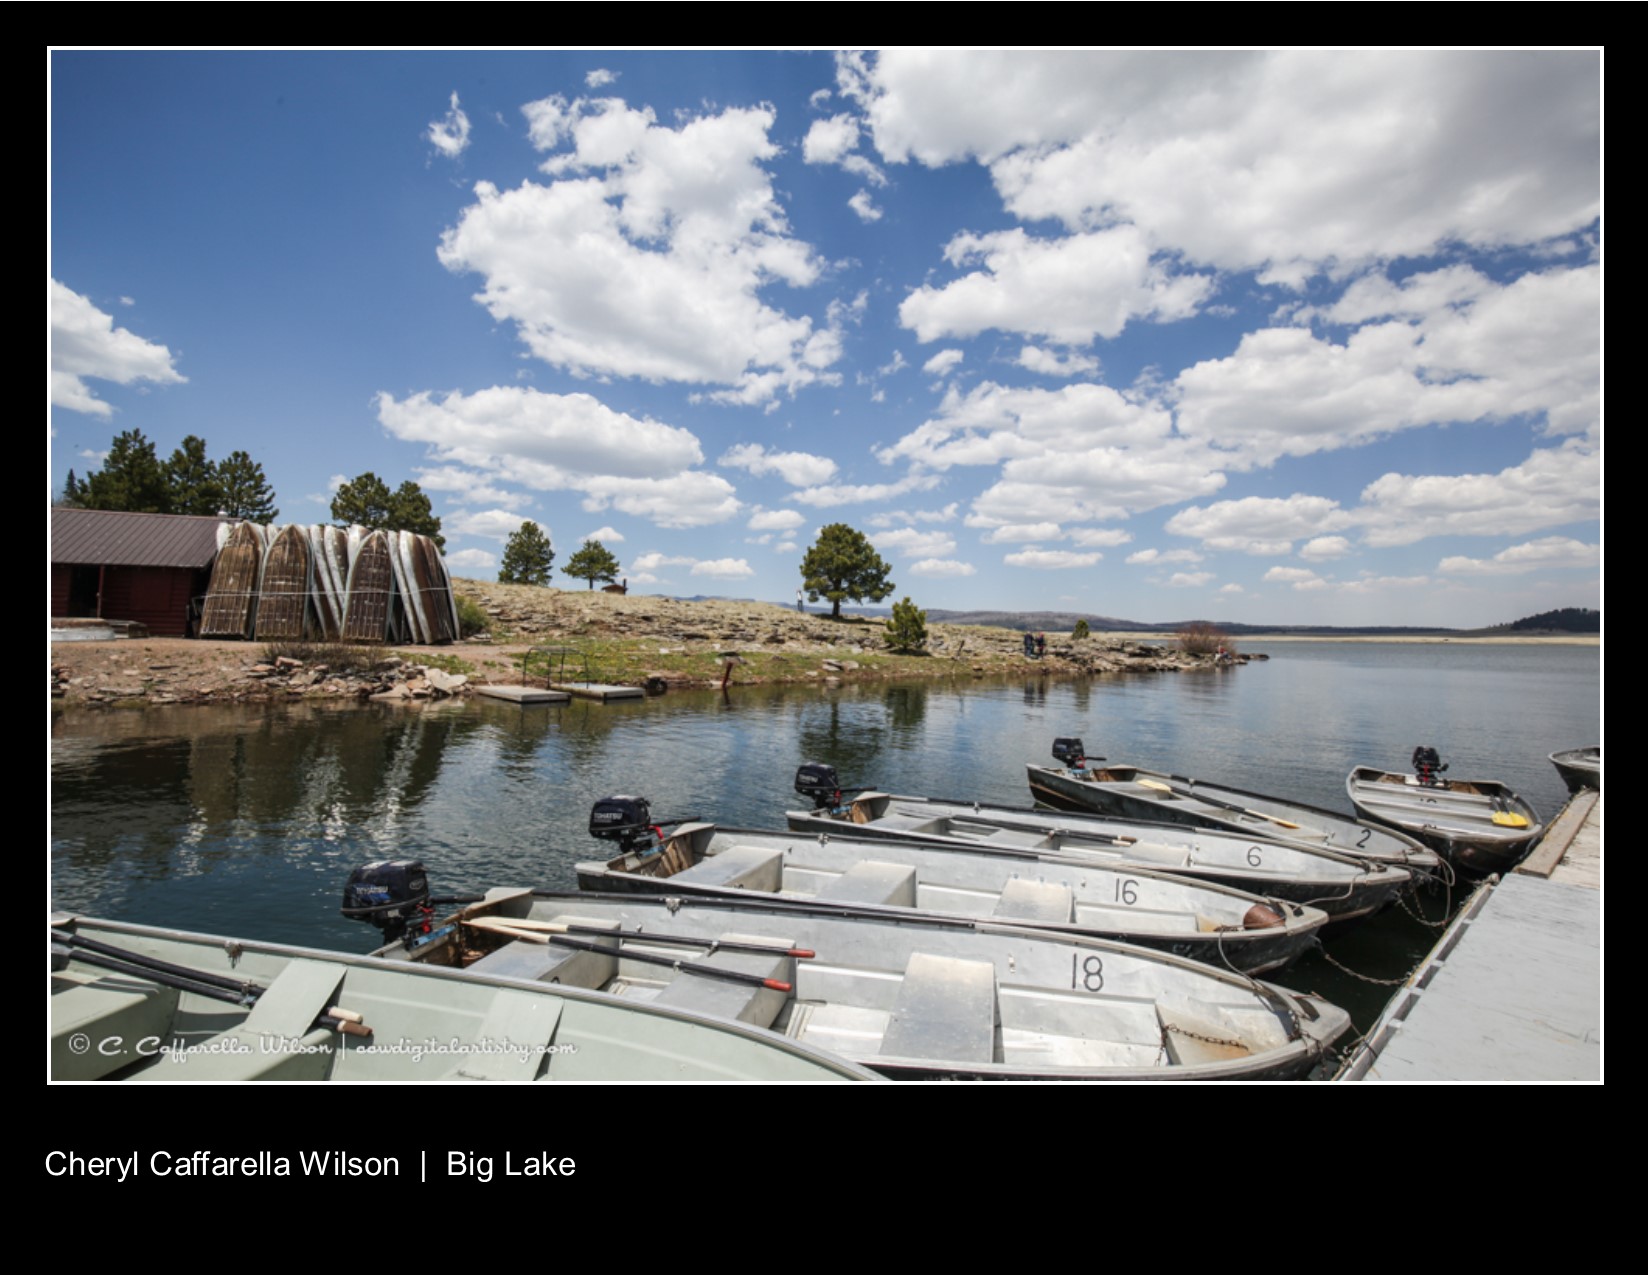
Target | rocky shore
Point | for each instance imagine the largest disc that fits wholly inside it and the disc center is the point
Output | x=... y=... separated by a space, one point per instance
x=630 y=640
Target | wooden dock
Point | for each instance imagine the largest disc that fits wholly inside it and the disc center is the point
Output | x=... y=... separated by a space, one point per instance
x=524 y=694
x=1512 y=992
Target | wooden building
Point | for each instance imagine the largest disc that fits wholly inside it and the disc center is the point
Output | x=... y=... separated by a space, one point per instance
x=145 y=568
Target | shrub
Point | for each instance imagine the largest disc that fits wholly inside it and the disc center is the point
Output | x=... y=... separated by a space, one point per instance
x=1080 y=629
x=1203 y=638
x=471 y=618
x=908 y=629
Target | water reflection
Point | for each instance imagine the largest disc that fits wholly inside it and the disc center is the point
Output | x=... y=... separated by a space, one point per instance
x=248 y=820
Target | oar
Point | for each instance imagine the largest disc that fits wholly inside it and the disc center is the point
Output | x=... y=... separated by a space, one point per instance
x=198 y=982
x=1214 y=801
x=678 y=940
x=646 y=958
x=1507 y=818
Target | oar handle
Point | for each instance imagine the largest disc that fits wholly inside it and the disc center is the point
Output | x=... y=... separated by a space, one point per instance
x=686 y=967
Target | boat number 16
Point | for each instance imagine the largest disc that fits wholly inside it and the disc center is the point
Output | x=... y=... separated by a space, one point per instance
x=1089 y=974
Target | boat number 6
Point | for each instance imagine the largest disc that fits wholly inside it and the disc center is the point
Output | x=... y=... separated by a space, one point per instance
x=1091 y=972
x=1253 y=856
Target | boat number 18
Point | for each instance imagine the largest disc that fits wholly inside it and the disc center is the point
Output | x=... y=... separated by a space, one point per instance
x=1088 y=974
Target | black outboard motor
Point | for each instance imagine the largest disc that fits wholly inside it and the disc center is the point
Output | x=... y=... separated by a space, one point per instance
x=1068 y=751
x=627 y=821
x=819 y=784
x=1427 y=766
x=390 y=895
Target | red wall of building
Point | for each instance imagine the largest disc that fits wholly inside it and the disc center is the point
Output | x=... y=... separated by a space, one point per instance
x=156 y=597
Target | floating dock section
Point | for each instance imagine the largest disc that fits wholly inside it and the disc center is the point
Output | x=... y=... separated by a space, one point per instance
x=1512 y=992
x=598 y=690
x=524 y=694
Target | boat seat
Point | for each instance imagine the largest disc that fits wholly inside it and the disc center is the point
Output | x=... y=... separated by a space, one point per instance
x=548 y=963
x=721 y=998
x=873 y=882
x=511 y=1039
x=737 y=868
x=103 y=1006
x=946 y=1009
x=1047 y=902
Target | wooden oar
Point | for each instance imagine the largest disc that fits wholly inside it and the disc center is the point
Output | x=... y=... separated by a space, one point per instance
x=678 y=940
x=186 y=979
x=1214 y=801
x=647 y=958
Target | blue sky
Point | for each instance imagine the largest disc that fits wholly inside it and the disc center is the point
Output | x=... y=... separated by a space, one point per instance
x=1267 y=337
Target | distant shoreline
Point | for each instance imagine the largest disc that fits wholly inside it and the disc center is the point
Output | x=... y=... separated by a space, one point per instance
x=1242 y=640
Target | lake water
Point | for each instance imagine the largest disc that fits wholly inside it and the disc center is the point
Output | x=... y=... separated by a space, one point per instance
x=248 y=821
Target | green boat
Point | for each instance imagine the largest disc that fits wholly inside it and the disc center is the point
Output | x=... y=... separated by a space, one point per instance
x=138 y=1003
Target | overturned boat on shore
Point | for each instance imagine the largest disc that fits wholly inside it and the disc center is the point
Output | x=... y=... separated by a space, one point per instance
x=134 y=1002
x=909 y=996
x=1233 y=929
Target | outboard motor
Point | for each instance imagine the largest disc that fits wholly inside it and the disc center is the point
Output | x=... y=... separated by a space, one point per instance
x=819 y=784
x=1427 y=766
x=1068 y=751
x=390 y=895
x=627 y=821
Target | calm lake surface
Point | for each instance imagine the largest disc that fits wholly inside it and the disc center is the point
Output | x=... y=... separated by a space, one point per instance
x=248 y=821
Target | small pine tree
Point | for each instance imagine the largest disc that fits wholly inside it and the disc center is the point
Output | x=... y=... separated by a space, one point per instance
x=527 y=556
x=908 y=629
x=1080 y=630
x=592 y=562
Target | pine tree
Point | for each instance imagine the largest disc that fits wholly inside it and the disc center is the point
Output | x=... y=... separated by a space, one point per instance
x=842 y=564
x=593 y=562
x=243 y=491
x=908 y=630
x=368 y=502
x=193 y=480
x=132 y=479
x=527 y=556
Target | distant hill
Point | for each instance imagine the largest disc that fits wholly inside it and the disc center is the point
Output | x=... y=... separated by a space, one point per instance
x=1564 y=620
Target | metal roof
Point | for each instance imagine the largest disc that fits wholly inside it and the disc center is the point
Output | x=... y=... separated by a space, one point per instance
x=109 y=538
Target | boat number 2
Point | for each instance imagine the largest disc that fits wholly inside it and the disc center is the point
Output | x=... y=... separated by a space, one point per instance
x=1364 y=840
x=1090 y=972
x=1253 y=856
x=1126 y=891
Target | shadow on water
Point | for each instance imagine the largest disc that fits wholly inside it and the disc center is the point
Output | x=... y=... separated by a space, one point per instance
x=248 y=820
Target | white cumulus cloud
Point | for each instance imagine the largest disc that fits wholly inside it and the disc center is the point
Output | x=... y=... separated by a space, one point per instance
x=85 y=343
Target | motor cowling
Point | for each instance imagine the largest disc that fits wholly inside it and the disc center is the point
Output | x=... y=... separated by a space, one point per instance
x=1426 y=764
x=819 y=784
x=387 y=894
x=626 y=820
x=1068 y=751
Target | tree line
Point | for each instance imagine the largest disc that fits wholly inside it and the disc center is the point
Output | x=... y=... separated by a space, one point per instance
x=134 y=479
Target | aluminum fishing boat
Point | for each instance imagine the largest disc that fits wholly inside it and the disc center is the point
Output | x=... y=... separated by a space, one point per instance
x=1479 y=825
x=133 y=1002
x=1346 y=888
x=1082 y=784
x=1230 y=928
x=908 y=996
